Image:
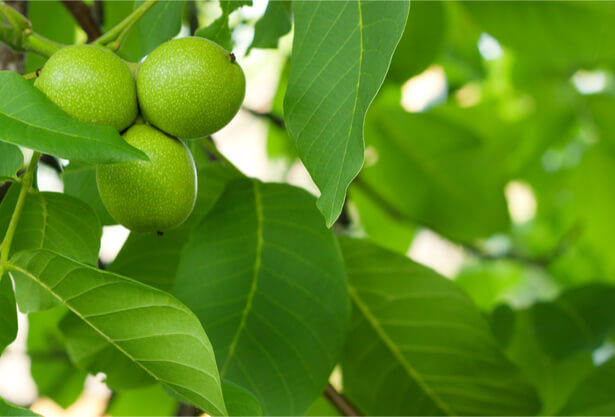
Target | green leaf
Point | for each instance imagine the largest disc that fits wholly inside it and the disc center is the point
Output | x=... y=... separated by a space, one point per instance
x=266 y=279
x=341 y=53
x=275 y=23
x=8 y=313
x=554 y=379
x=219 y=30
x=161 y=23
x=422 y=41
x=29 y=119
x=594 y=395
x=417 y=345
x=168 y=345
x=49 y=361
x=53 y=221
x=556 y=37
x=148 y=401
x=80 y=181
x=579 y=320
x=11 y=159
x=322 y=407
x=431 y=170
x=153 y=259
x=7 y=409
x=239 y=401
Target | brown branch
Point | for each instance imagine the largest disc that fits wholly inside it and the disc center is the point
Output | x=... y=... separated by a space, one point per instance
x=341 y=402
x=274 y=118
x=84 y=15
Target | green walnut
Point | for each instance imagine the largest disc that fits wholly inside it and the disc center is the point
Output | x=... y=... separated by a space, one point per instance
x=155 y=195
x=190 y=87
x=91 y=84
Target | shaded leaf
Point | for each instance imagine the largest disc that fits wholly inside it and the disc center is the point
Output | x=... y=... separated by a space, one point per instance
x=11 y=159
x=29 y=119
x=432 y=170
x=421 y=341
x=341 y=53
x=169 y=346
x=275 y=23
x=594 y=395
x=239 y=401
x=80 y=181
x=8 y=313
x=219 y=30
x=153 y=259
x=579 y=320
x=161 y=23
x=54 y=374
x=265 y=277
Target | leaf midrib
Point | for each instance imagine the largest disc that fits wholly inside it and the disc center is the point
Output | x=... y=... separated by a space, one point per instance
x=412 y=373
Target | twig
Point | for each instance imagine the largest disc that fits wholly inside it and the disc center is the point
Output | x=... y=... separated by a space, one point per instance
x=341 y=402
x=274 y=118
x=114 y=38
x=83 y=14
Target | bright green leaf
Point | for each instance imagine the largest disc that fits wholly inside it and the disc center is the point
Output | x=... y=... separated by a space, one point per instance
x=149 y=401
x=266 y=279
x=29 y=119
x=421 y=341
x=11 y=159
x=341 y=53
x=169 y=345
x=322 y=407
x=7 y=409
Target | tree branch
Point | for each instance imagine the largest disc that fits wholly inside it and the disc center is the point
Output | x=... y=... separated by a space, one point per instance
x=341 y=402
x=274 y=118
x=83 y=14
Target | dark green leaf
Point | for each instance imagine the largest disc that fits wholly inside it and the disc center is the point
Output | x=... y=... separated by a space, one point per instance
x=239 y=401
x=7 y=409
x=266 y=279
x=579 y=320
x=219 y=31
x=148 y=401
x=8 y=313
x=554 y=379
x=80 y=181
x=168 y=345
x=341 y=53
x=11 y=159
x=594 y=395
x=50 y=363
x=153 y=259
x=275 y=23
x=421 y=341
x=432 y=170
x=422 y=41
x=29 y=119
x=160 y=23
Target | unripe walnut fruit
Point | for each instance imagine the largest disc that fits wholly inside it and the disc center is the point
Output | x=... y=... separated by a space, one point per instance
x=154 y=195
x=91 y=84
x=190 y=87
